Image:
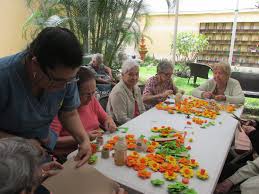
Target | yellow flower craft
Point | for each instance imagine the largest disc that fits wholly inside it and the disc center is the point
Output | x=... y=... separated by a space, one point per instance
x=202 y=174
x=186 y=172
x=170 y=175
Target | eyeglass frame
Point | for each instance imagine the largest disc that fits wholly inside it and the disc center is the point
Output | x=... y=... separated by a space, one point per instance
x=57 y=80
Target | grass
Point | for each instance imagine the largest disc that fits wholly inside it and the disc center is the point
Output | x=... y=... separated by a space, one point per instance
x=251 y=104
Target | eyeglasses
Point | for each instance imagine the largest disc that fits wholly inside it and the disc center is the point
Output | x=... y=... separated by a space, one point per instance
x=59 y=81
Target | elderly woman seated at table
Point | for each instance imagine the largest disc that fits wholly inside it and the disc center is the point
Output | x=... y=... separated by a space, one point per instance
x=221 y=87
x=160 y=86
x=91 y=114
x=125 y=100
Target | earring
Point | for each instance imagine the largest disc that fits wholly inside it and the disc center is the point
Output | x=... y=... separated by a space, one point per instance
x=34 y=74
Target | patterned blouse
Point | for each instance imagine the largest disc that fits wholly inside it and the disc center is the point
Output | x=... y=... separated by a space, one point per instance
x=154 y=87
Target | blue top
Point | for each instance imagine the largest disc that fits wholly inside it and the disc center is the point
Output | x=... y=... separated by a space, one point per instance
x=23 y=114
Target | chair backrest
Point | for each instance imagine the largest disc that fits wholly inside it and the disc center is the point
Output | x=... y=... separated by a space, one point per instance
x=199 y=70
x=103 y=101
x=248 y=81
x=142 y=87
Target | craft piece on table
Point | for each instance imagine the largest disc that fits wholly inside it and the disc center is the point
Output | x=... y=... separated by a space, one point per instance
x=92 y=159
x=157 y=182
x=170 y=175
x=165 y=139
x=80 y=180
x=186 y=172
x=202 y=174
x=177 y=187
x=123 y=129
x=185 y=181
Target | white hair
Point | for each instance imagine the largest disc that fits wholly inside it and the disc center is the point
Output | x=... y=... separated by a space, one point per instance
x=128 y=65
x=97 y=57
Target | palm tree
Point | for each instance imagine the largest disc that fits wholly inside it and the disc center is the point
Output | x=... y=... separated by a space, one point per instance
x=103 y=26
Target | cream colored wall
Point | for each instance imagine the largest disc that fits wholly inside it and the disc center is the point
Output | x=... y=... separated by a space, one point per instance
x=162 y=26
x=13 y=14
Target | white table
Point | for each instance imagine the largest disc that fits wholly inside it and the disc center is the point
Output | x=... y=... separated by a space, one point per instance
x=210 y=147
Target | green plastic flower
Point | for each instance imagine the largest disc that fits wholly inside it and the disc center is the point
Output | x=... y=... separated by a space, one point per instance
x=157 y=182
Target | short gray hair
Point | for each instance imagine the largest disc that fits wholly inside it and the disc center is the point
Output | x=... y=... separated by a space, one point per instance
x=164 y=65
x=128 y=65
x=98 y=57
x=224 y=66
x=19 y=162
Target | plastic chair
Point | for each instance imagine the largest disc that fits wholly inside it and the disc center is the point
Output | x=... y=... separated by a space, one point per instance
x=198 y=70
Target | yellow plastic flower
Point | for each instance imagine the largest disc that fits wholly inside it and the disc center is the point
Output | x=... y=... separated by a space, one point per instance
x=193 y=163
x=170 y=175
x=186 y=172
x=154 y=165
x=134 y=154
x=143 y=160
x=202 y=174
x=171 y=159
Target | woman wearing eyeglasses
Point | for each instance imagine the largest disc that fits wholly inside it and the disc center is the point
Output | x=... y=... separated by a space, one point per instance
x=222 y=87
x=38 y=83
x=91 y=114
x=160 y=86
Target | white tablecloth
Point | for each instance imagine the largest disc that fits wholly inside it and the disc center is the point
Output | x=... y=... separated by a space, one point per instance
x=210 y=147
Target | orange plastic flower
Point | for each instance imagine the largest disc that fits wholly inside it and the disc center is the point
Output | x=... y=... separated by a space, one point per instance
x=158 y=158
x=139 y=166
x=144 y=174
x=108 y=146
x=130 y=136
x=193 y=163
x=131 y=146
x=150 y=148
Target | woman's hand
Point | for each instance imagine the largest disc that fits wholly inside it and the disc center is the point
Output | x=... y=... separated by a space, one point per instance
x=208 y=95
x=166 y=93
x=84 y=153
x=50 y=169
x=109 y=124
x=248 y=129
x=120 y=191
x=220 y=98
x=224 y=187
x=94 y=133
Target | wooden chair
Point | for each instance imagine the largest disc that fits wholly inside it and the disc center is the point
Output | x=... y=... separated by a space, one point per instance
x=198 y=70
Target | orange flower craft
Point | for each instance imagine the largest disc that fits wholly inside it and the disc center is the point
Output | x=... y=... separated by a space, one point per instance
x=108 y=146
x=202 y=174
x=170 y=175
x=186 y=172
x=144 y=174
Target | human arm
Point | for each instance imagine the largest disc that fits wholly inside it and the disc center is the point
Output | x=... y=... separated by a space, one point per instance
x=109 y=71
x=70 y=120
x=202 y=91
x=247 y=171
x=119 y=107
x=237 y=96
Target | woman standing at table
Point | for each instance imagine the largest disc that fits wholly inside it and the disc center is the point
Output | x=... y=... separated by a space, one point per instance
x=160 y=86
x=125 y=100
x=90 y=111
x=221 y=87
x=38 y=83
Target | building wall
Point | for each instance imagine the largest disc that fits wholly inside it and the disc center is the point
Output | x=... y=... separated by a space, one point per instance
x=162 y=26
x=13 y=14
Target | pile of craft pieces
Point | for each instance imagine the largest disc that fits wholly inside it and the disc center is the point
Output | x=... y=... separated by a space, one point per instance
x=197 y=107
x=168 y=155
